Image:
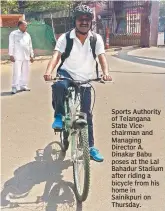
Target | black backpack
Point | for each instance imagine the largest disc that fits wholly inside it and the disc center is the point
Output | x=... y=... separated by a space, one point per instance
x=69 y=45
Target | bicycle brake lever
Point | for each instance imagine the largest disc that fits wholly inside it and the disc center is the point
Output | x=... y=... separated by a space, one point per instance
x=102 y=81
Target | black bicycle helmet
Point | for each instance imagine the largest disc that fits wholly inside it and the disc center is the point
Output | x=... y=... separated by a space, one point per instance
x=83 y=10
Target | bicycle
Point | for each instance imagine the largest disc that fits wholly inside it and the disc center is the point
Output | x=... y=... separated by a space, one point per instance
x=75 y=130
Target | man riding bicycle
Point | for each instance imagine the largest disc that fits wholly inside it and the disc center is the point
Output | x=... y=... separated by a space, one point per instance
x=79 y=65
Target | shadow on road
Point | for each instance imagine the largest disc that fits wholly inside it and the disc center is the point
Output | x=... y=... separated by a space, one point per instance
x=6 y=94
x=3 y=94
x=141 y=60
x=48 y=168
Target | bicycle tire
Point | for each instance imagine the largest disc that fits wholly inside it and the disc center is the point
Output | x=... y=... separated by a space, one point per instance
x=84 y=138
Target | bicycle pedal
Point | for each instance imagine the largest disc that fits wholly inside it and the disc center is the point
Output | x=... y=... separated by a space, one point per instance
x=57 y=130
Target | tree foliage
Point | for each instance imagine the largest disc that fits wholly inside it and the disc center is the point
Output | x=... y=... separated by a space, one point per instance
x=9 y=6
x=45 y=5
x=162 y=8
x=13 y=6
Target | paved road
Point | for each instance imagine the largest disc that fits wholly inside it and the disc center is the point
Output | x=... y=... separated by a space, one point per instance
x=146 y=56
x=26 y=128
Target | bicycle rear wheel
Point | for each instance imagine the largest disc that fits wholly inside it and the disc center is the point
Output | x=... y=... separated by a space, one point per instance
x=81 y=156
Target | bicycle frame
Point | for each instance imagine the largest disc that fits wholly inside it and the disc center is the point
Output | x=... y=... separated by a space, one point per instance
x=75 y=131
x=72 y=112
x=74 y=120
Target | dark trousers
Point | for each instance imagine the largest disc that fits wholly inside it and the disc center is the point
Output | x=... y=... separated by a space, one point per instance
x=60 y=90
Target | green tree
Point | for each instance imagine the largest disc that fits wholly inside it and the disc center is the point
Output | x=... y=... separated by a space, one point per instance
x=13 y=6
x=45 y=5
x=162 y=8
x=9 y=6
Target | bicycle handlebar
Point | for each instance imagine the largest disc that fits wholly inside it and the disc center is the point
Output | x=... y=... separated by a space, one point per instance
x=78 y=82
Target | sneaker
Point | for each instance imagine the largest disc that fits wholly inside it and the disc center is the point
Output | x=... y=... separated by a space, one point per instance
x=14 y=90
x=95 y=155
x=24 y=88
x=58 y=124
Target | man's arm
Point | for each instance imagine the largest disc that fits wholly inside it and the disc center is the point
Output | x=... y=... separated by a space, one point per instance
x=104 y=66
x=59 y=49
x=100 y=52
x=11 y=46
x=31 y=50
x=103 y=63
x=52 y=64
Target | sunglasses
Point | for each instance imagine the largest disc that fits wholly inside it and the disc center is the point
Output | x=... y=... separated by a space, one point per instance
x=84 y=19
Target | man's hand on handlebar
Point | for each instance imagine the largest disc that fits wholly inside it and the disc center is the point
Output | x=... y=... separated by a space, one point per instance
x=106 y=78
x=48 y=77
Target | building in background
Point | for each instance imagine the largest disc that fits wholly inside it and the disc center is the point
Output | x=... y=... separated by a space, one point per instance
x=120 y=23
x=10 y=20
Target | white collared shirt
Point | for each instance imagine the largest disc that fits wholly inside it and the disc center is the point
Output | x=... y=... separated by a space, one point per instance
x=20 y=45
x=80 y=64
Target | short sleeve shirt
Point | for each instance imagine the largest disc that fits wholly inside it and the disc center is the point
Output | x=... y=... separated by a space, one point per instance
x=80 y=64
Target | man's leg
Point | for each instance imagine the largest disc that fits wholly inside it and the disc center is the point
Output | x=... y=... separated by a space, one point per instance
x=24 y=75
x=17 y=65
x=59 y=92
x=86 y=108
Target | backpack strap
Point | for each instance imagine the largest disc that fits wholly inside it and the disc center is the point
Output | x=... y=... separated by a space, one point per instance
x=69 y=45
x=93 y=40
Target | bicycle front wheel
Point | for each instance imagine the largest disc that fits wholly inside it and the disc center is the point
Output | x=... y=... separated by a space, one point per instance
x=81 y=164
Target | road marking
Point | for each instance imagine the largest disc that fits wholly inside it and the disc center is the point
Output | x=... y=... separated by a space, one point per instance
x=152 y=60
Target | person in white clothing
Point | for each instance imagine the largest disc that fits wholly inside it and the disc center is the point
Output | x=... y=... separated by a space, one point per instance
x=21 y=54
